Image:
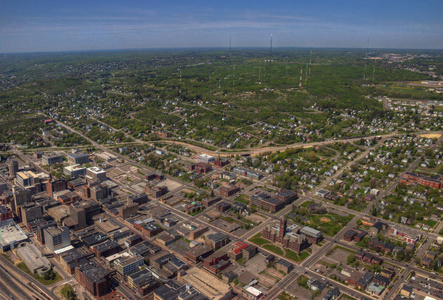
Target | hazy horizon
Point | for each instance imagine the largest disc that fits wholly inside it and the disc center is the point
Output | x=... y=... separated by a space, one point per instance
x=53 y=26
x=265 y=48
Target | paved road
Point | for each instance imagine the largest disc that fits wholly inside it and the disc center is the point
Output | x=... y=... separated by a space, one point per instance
x=23 y=279
x=11 y=288
x=254 y=151
x=311 y=260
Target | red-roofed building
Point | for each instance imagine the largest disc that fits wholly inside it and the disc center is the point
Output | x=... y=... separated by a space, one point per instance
x=237 y=251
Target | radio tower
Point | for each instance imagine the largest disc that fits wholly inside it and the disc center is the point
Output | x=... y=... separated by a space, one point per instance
x=229 y=49
x=310 y=61
x=366 y=60
x=269 y=67
x=233 y=68
x=373 y=74
x=300 y=86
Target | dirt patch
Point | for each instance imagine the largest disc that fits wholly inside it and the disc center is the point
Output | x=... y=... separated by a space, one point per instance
x=171 y=184
x=256 y=264
x=246 y=277
x=256 y=218
x=339 y=256
x=266 y=280
x=274 y=272
x=430 y=135
x=214 y=214
x=325 y=220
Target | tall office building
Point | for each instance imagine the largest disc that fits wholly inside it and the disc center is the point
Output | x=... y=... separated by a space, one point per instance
x=21 y=196
x=57 y=238
x=13 y=168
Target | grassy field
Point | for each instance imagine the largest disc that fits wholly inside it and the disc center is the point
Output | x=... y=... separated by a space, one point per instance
x=330 y=223
x=258 y=240
x=296 y=257
x=306 y=203
x=431 y=223
x=272 y=248
x=25 y=269
x=304 y=255
x=363 y=243
x=346 y=297
x=292 y=255
x=242 y=199
x=343 y=248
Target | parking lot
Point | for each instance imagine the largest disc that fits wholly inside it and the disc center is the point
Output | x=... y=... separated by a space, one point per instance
x=426 y=287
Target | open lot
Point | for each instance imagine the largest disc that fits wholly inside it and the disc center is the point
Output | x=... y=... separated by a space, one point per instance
x=171 y=184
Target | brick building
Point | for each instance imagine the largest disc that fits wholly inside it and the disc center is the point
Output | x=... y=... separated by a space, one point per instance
x=211 y=201
x=226 y=191
x=198 y=253
x=294 y=240
x=200 y=168
x=435 y=182
x=216 y=262
x=287 y=196
x=94 y=278
x=217 y=240
x=149 y=228
x=54 y=186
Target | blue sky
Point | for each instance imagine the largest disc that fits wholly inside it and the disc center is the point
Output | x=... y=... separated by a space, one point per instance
x=40 y=25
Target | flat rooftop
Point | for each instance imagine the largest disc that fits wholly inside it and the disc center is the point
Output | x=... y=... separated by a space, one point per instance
x=74 y=168
x=32 y=257
x=107 y=226
x=11 y=234
x=207 y=284
x=96 y=170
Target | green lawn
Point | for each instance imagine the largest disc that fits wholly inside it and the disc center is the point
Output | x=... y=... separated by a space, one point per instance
x=306 y=203
x=25 y=269
x=363 y=243
x=292 y=255
x=431 y=223
x=304 y=255
x=242 y=199
x=331 y=227
x=258 y=240
x=296 y=257
x=272 y=248
x=286 y=296
x=197 y=212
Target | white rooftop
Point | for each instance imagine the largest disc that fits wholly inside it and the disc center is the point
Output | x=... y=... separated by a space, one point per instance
x=96 y=170
x=63 y=250
x=253 y=291
x=11 y=234
x=73 y=168
x=117 y=255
